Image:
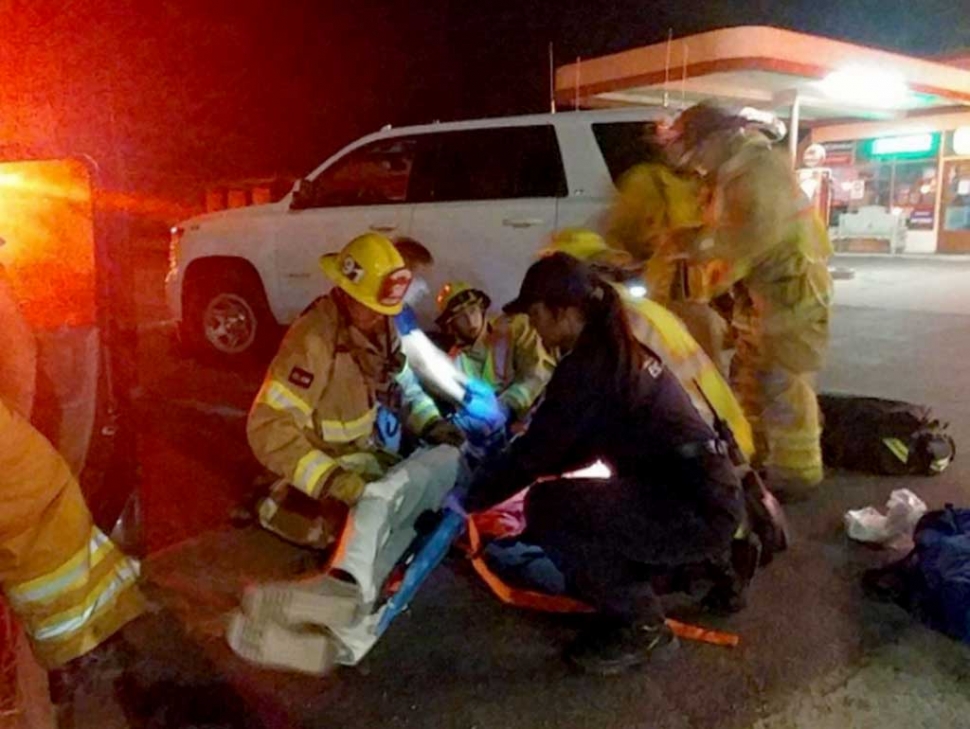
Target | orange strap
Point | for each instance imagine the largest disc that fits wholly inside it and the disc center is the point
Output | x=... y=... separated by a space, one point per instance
x=559 y=604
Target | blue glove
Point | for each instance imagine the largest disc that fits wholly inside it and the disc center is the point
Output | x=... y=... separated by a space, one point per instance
x=481 y=411
x=406 y=322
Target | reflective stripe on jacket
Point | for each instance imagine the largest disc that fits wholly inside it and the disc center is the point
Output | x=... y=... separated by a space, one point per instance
x=661 y=331
x=64 y=579
x=318 y=404
x=509 y=356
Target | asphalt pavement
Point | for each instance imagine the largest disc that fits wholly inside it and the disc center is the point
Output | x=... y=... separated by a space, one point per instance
x=814 y=653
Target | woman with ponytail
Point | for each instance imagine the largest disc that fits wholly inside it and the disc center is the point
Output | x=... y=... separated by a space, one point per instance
x=672 y=498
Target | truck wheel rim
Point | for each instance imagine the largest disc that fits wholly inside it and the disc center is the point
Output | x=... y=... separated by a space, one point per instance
x=230 y=323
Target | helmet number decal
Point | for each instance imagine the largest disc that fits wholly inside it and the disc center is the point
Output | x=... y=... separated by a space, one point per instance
x=351 y=269
x=394 y=286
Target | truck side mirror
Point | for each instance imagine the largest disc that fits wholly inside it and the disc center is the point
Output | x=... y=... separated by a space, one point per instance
x=301 y=194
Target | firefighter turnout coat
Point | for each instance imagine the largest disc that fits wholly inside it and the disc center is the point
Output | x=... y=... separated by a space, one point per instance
x=509 y=356
x=316 y=416
x=68 y=584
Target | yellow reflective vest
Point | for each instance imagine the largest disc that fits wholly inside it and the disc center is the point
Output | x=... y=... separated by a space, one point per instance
x=65 y=580
x=510 y=357
x=317 y=409
x=659 y=329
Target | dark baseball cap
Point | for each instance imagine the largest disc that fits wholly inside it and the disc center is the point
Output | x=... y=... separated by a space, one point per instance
x=555 y=280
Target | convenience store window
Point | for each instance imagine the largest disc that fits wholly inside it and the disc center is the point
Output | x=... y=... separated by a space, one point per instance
x=893 y=173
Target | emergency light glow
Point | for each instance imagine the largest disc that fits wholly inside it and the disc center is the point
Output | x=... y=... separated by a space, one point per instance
x=46 y=222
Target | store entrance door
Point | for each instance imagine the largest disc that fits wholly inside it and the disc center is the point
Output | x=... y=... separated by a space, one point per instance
x=955 y=208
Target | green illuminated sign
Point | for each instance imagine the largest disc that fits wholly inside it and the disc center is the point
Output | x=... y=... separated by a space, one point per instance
x=923 y=144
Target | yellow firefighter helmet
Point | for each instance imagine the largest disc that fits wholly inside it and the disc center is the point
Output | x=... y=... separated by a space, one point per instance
x=371 y=270
x=456 y=296
x=586 y=246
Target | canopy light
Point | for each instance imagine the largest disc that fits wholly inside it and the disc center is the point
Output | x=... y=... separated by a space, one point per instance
x=866 y=87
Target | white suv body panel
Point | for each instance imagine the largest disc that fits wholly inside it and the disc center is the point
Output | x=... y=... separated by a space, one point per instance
x=490 y=243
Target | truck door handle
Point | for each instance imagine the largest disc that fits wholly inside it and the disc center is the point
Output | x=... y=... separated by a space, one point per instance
x=383 y=227
x=522 y=222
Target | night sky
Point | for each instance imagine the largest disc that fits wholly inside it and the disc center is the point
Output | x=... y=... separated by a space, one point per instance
x=172 y=94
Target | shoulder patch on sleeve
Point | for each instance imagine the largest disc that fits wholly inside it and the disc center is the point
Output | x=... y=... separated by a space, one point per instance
x=654 y=366
x=301 y=378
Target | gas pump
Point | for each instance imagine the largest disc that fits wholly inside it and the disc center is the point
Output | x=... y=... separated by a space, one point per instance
x=816 y=180
x=816 y=183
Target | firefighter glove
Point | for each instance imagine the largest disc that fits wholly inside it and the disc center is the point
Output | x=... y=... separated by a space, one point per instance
x=347 y=487
x=443 y=432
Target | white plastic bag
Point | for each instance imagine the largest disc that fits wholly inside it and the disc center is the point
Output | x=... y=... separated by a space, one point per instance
x=903 y=510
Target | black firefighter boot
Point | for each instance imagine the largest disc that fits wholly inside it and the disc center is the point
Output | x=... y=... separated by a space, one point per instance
x=608 y=648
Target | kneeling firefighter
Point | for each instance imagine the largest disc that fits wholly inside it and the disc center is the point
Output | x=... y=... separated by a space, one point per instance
x=324 y=420
x=763 y=239
x=673 y=497
x=503 y=351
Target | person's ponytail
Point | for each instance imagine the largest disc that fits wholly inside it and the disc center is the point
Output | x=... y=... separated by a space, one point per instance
x=606 y=318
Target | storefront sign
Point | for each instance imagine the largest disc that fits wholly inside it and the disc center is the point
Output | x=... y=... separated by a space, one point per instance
x=921 y=218
x=857 y=189
x=839 y=154
x=923 y=144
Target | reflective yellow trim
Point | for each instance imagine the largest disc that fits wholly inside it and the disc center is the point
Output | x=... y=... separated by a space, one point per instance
x=63 y=625
x=518 y=395
x=267 y=510
x=66 y=577
x=423 y=413
x=311 y=471
x=339 y=431
x=279 y=397
x=364 y=462
x=897 y=448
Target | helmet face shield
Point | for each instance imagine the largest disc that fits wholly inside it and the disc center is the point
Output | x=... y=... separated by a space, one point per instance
x=394 y=287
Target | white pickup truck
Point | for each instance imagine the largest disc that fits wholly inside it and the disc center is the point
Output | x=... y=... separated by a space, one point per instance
x=483 y=196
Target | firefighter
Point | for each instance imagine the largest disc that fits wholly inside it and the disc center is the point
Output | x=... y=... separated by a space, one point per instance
x=662 y=332
x=672 y=498
x=763 y=239
x=656 y=211
x=66 y=582
x=314 y=420
x=503 y=351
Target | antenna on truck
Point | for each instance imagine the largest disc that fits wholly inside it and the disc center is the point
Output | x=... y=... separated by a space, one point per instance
x=552 y=82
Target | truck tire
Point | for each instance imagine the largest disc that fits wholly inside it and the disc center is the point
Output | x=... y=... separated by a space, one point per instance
x=225 y=316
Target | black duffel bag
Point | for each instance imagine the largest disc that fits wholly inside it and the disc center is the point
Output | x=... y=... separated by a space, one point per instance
x=885 y=437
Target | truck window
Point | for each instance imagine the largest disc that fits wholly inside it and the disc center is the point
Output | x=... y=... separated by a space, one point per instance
x=625 y=144
x=375 y=174
x=490 y=164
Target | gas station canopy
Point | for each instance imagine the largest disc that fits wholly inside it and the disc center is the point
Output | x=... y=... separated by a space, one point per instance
x=815 y=80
